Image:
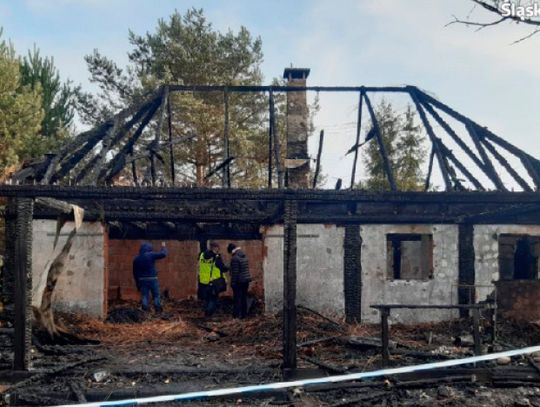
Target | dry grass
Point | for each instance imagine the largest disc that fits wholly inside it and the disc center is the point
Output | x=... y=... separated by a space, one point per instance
x=116 y=334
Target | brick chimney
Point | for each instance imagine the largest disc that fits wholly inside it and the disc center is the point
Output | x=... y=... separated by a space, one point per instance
x=297 y=162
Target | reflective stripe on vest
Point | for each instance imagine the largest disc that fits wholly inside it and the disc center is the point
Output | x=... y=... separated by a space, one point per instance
x=205 y=269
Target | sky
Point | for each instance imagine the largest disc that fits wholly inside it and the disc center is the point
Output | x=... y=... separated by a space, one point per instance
x=343 y=42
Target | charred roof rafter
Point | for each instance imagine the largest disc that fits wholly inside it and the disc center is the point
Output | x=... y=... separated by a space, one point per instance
x=84 y=161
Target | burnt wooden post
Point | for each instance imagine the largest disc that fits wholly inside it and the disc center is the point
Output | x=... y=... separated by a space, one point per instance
x=476 y=331
x=134 y=173
x=382 y=149
x=270 y=144
x=357 y=141
x=226 y=148
x=466 y=273
x=352 y=273
x=385 y=313
x=157 y=138
x=22 y=267
x=319 y=153
x=171 y=146
x=289 y=285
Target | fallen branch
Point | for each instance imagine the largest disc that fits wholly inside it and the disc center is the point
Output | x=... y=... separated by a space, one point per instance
x=337 y=324
x=320 y=340
x=55 y=371
x=533 y=363
x=324 y=365
x=341 y=386
x=212 y=330
x=431 y=382
x=77 y=390
x=421 y=355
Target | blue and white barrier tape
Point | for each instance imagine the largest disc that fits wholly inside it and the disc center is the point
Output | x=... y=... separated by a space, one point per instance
x=306 y=382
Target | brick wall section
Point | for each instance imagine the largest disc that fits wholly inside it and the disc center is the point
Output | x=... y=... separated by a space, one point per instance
x=519 y=299
x=177 y=272
x=106 y=266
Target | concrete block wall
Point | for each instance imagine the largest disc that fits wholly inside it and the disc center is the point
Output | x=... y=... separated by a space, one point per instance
x=319 y=268
x=81 y=287
x=486 y=249
x=378 y=289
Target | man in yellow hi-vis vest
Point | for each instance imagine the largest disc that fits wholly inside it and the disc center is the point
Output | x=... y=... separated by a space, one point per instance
x=211 y=269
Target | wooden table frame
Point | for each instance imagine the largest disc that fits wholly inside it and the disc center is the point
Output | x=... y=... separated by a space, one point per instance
x=385 y=309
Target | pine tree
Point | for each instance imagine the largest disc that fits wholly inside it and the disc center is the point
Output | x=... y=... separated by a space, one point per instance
x=58 y=99
x=404 y=145
x=186 y=49
x=20 y=112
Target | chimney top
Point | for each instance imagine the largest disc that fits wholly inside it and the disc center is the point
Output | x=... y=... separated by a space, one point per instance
x=296 y=73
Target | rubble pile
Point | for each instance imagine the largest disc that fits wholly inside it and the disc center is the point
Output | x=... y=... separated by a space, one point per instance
x=178 y=350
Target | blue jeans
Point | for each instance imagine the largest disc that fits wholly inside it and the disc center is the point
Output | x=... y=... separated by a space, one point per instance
x=150 y=285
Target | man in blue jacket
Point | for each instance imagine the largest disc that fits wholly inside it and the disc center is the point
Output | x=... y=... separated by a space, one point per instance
x=145 y=274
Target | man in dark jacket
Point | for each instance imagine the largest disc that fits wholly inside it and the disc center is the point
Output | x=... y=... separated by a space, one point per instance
x=211 y=268
x=240 y=279
x=145 y=274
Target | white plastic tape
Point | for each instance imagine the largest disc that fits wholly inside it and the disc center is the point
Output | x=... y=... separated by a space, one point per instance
x=307 y=382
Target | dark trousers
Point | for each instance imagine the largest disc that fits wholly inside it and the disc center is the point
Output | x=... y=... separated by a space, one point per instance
x=240 y=299
x=150 y=285
x=210 y=299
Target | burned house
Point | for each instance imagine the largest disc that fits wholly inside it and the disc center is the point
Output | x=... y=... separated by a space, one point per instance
x=336 y=251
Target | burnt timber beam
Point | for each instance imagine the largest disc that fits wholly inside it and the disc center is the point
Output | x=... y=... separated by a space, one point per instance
x=352 y=269
x=185 y=231
x=452 y=133
x=118 y=162
x=22 y=263
x=272 y=88
x=527 y=160
x=318 y=165
x=316 y=212
x=382 y=148
x=114 y=136
x=466 y=270
x=522 y=183
x=81 y=145
x=78 y=152
x=289 y=285
x=448 y=153
x=164 y=193
x=430 y=168
x=270 y=152
x=157 y=138
x=490 y=169
x=270 y=212
x=226 y=147
x=435 y=142
x=171 y=146
x=357 y=143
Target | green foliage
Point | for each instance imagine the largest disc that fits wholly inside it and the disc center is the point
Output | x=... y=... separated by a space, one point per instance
x=186 y=49
x=21 y=113
x=404 y=144
x=58 y=102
